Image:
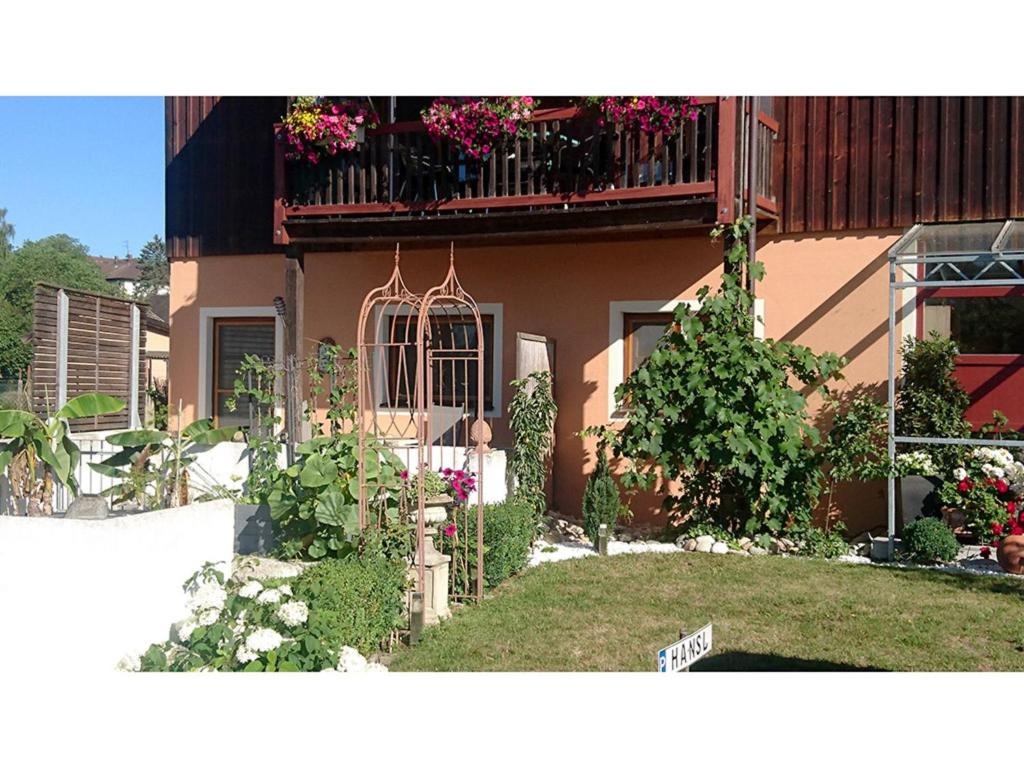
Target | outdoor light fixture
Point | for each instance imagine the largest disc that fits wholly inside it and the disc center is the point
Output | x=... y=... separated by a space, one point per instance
x=279 y=306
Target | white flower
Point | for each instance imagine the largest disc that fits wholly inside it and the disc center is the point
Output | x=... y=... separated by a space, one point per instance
x=293 y=613
x=959 y=473
x=185 y=629
x=208 y=617
x=251 y=589
x=373 y=666
x=285 y=589
x=263 y=640
x=208 y=595
x=244 y=655
x=129 y=663
x=269 y=596
x=351 y=660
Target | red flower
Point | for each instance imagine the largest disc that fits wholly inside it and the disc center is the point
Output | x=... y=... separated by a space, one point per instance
x=1016 y=530
x=985 y=552
x=1011 y=507
x=964 y=485
x=1001 y=486
x=997 y=529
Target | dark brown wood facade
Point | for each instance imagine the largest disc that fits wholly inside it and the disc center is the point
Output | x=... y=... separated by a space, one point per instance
x=98 y=353
x=840 y=163
x=856 y=162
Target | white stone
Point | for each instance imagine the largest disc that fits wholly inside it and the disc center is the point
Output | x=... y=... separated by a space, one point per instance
x=689 y=545
x=705 y=543
x=758 y=551
x=719 y=548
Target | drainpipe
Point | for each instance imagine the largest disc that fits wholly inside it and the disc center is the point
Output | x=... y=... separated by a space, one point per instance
x=752 y=191
x=392 y=111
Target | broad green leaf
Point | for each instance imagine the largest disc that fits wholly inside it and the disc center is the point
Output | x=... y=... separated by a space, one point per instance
x=14 y=423
x=317 y=549
x=317 y=472
x=91 y=404
x=106 y=470
x=136 y=438
x=203 y=432
x=332 y=508
x=253 y=666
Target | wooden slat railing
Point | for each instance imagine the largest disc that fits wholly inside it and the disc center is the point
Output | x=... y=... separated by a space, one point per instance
x=566 y=157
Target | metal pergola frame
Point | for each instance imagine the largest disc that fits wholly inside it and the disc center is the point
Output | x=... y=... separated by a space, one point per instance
x=903 y=270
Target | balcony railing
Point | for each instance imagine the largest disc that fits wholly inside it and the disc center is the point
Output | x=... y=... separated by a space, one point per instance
x=566 y=158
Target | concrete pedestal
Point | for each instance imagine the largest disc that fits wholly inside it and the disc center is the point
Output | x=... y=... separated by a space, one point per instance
x=435 y=590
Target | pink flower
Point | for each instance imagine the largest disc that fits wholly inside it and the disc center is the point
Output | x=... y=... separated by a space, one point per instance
x=450 y=530
x=404 y=474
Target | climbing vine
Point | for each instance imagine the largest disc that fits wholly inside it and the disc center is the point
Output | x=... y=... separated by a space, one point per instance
x=532 y=415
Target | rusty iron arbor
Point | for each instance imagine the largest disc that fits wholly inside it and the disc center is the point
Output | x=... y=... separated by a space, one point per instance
x=420 y=369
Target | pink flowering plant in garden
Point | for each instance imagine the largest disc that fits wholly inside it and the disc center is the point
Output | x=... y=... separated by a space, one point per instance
x=477 y=126
x=651 y=114
x=987 y=490
x=317 y=127
x=460 y=482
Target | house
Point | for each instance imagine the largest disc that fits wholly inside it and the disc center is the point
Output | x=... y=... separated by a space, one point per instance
x=124 y=273
x=594 y=261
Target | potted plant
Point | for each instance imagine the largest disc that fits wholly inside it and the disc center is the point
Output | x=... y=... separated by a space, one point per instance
x=650 y=114
x=317 y=127
x=987 y=491
x=919 y=481
x=478 y=126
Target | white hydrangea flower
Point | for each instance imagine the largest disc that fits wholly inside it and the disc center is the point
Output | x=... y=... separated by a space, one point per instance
x=244 y=655
x=207 y=595
x=285 y=589
x=293 y=613
x=129 y=663
x=263 y=640
x=251 y=589
x=351 y=660
x=269 y=596
x=185 y=629
x=960 y=473
x=208 y=617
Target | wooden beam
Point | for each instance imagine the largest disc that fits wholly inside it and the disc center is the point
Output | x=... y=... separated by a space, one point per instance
x=294 y=298
x=725 y=177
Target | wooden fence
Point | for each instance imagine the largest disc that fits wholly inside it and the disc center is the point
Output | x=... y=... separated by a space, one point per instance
x=85 y=342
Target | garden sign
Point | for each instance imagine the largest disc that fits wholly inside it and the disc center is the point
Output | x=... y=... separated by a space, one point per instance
x=680 y=655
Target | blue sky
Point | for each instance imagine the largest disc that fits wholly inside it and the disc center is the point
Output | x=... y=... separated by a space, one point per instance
x=89 y=167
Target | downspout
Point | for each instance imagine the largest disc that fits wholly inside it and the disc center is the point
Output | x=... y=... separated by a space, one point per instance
x=752 y=195
x=392 y=111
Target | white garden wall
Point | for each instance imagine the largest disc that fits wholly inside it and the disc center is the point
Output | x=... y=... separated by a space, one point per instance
x=80 y=594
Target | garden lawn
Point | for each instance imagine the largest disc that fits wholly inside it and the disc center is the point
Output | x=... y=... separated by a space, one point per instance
x=769 y=613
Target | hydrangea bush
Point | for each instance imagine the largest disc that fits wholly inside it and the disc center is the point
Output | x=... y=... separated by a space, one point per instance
x=478 y=126
x=274 y=625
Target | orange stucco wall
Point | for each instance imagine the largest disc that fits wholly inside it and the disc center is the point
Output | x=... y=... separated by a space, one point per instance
x=829 y=293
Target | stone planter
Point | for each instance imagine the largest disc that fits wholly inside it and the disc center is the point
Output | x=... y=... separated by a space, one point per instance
x=918 y=497
x=436 y=565
x=254 y=532
x=1010 y=554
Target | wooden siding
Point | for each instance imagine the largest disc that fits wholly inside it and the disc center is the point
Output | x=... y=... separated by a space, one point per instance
x=99 y=353
x=219 y=182
x=858 y=162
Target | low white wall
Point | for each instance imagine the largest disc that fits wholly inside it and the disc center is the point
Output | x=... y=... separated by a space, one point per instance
x=80 y=594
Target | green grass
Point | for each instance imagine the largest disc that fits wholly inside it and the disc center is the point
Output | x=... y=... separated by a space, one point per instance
x=769 y=613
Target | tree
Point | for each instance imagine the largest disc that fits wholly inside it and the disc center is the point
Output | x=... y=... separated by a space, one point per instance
x=6 y=234
x=154 y=268
x=723 y=414
x=58 y=259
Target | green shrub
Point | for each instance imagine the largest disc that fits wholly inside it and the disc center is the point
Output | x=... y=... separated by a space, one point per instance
x=929 y=540
x=601 y=500
x=509 y=529
x=353 y=601
x=818 y=542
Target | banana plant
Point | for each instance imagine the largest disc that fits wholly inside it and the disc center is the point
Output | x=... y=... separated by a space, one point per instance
x=153 y=465
x=38 y=452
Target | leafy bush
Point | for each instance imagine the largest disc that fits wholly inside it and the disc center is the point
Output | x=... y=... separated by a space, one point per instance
x=354 y=601
x=509 y=529
x=929 y=540
x=314 y=503
x=824 y=542
x=532 y=414
x=601 y=500
x=930 y=401
x=714 y=410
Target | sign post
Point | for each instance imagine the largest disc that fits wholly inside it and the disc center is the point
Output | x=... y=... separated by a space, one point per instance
x=680 y=655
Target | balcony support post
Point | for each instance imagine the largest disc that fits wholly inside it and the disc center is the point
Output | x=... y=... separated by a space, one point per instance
x=294 y=297
x=725 y=176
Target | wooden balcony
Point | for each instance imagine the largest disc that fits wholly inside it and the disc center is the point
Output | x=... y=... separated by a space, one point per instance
x=569 y=174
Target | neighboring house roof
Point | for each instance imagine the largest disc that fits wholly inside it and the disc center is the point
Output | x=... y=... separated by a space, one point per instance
x=160 y=305
x=118 y=269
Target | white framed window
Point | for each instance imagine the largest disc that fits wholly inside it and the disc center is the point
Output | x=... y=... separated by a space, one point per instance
x=226 y=335
x=634 y=327
x=388 y=388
